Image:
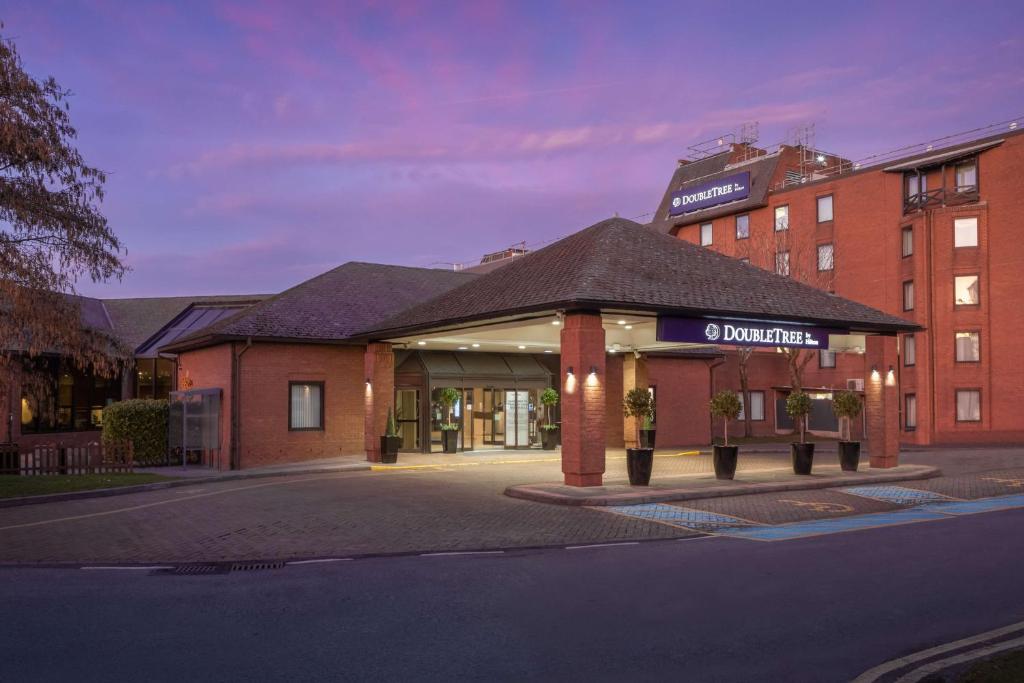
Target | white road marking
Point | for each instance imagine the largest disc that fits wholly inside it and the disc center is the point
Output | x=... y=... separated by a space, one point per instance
x=931 y=667
x=169 y=501
x=463 y=552
x=886 y=667
x=600 y=545
x=326 y=559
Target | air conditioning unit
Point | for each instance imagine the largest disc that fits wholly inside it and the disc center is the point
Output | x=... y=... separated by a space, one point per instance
x=855 y=384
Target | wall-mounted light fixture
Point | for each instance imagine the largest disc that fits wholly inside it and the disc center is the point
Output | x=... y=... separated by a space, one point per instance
x=890 y=377
x=569 y=371
x=874 y=373
x=593 y=369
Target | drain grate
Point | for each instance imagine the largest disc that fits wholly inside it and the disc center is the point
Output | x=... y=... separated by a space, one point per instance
x=256 y=566
x=207 y=569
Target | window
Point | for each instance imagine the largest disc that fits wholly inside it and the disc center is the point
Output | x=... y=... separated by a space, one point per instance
x=916 y=185
x=756 y=406
x=825 y=209
x=74 y=401
x=154 y=377
x=967 y=177
x=968 y=405
x=908 y=295
x=306 y=406
x=909 y=351
x=825 y=257
x=782 y=263
x=781 y=218
x=966 y=290
x=965 y=232
x=705 y=234
x=742 y=227
x=910 y=412
x=826 y=358
x=907 y=242
x=968 y=347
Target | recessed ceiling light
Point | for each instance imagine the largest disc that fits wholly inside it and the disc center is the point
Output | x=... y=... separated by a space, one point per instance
x=422 y=343
x=622 y=322
x=521 y=346
x=555 y=322
x=611 y=350
x=463 y=348
x=547 y=350
x=476 y=346
x=629 y=327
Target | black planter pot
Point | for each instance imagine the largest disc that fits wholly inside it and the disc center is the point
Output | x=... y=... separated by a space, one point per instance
x=647 y=438
x=849 y=455
x=725 y=461
x=389 y=448
x=549 y=439
x=450 y=440
x=803 y=457
x=639 y=463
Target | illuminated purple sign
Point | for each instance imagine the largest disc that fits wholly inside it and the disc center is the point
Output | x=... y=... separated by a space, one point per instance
x=743 y=333
x=714 y=192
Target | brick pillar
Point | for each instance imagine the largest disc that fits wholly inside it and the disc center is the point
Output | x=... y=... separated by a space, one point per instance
x=379 y=366
x=881 y=401
x=583 y=399
x=634 y=376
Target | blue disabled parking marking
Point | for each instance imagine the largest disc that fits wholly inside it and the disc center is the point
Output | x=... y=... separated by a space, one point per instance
x=831 y=526
x=699 y=520
x=970 y=507
x=899 y=495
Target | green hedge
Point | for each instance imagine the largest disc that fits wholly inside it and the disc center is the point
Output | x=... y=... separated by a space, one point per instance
x=141 y=421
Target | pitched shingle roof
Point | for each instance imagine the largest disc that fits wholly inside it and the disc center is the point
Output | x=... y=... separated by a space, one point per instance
x=332 y=306
x=621 y=264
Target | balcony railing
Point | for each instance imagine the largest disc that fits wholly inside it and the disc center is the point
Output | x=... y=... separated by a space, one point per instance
x=941 y=197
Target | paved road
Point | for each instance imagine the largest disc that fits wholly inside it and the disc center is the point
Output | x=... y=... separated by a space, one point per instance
x=711 y=609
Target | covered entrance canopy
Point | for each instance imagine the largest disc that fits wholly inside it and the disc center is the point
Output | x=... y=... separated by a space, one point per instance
x=617 y=287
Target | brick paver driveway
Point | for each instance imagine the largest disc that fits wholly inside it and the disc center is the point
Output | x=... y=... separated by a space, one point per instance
x=408 y=510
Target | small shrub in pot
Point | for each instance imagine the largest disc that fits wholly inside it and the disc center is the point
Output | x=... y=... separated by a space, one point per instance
x=847 y=405
x=798 y=407
x=726 y=405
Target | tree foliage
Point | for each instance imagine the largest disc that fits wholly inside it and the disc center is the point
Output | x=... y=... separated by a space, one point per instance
x=52 y=233
x=726 y=405
x=141 y=421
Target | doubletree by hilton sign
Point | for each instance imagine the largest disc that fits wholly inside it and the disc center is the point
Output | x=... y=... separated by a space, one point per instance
x=711 y=193
x=742 y=333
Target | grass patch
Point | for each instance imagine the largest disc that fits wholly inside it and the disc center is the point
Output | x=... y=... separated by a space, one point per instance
x=1004 y=668
x=12 y=486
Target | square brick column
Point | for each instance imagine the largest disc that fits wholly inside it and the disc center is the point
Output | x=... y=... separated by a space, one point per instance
x=583 y=399
x=881 y=401
x=634 y=376
x=379 y=367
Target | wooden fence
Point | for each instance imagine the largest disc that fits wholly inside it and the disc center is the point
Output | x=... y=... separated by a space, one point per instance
x=93 y=458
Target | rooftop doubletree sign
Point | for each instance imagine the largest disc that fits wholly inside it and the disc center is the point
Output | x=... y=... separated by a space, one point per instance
x=743 y=333
x=719 y=191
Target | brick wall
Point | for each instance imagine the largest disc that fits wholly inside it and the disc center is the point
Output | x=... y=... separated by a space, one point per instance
x=210 y=368
x=584 y=399
x=683 y=388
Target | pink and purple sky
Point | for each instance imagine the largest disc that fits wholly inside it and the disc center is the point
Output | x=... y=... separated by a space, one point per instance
x=252 y=145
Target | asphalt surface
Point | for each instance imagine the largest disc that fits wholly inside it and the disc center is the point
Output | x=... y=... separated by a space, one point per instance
x=707 y=609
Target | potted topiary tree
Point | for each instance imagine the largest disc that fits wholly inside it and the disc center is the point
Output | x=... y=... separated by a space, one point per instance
x=390 y=442
x=798 y=406
x=847 y=405
x=549 y=430
x=726 y=405
x=448 y=397
x=639 y=404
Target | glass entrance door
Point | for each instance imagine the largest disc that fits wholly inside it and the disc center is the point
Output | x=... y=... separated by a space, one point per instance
x=407 y=418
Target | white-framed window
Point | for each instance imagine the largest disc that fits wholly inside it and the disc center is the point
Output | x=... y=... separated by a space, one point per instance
x=908 y=295
x=907 y=242
x=968 y=405
x=705 y=234
x=967 y=176
x=782 y=263
x=825 y=209
x=781 y=218
x=743 y=226
x=910 y=412
x=826 y=358
x=825 y=257
x=756 y=406
x=968 y=347
x=966 y=290
x=306 y=406
x=916 y=185
x=909 y=350
x=965 y=232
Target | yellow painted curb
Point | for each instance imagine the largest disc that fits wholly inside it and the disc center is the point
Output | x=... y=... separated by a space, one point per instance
x=439 y=465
